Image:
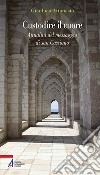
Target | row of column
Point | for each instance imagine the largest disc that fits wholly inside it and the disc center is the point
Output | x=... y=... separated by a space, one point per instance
x=90 y=71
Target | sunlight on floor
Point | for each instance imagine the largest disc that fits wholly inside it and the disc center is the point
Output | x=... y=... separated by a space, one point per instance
x=41 y=148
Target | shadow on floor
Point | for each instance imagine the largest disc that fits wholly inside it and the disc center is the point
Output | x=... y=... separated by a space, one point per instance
x=49 y=139
x=54 y=120
x=52 y=126
x=42 y=138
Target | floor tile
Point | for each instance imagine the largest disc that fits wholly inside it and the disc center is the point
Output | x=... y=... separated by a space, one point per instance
x=42 y=148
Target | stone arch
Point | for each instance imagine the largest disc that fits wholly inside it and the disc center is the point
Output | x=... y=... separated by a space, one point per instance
x=52 y=97
x=50 y=71
x=52 y=86
x=48 y=92
x=53 y=80
x=51 y=52
x=56 y=86
x=41 y=80
x=57 y=97
x=53 y=92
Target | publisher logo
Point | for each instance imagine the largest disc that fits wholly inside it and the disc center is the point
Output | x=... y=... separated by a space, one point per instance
x=7 y=161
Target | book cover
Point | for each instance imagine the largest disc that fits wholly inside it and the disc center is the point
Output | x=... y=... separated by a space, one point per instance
x=49 y=87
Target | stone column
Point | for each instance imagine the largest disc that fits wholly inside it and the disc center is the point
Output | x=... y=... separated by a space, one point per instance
x=99 y=22
x=64 y=110
x=32 y=101
x=75 y=105
x=39 y=111
x=48 y=108
x=90 y=74
x=15 y=73
x=68 y=88
x=60 y=108
x=43 y=105
x=68 y=100
x=94 y=61
x=25 y=88
x=62 y=102
x=3 y=67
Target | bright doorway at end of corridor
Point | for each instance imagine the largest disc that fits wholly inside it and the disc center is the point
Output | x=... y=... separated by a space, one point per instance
x=54 y=107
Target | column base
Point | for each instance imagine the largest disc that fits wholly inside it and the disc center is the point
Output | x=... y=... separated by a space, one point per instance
x=84 y=132
x=3 y=136
x=32 y=125
x=32 y=122
x=44 y=116
x=74 y=124
x=24 y=125
x=15 y=132
x=40 y=120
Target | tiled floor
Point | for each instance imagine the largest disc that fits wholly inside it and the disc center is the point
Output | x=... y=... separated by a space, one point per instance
x=42 y=148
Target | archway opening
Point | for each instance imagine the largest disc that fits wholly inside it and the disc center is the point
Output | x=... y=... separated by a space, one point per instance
x=54 y=107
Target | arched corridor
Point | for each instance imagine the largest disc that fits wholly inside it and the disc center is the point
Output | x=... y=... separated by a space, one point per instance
x=37 y=70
